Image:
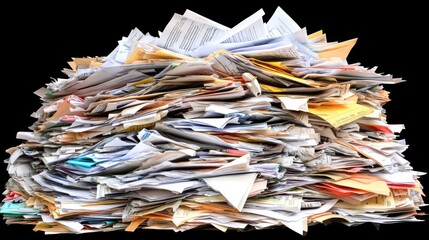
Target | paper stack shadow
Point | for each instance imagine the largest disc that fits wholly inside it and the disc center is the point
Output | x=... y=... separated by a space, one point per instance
x=257 y=126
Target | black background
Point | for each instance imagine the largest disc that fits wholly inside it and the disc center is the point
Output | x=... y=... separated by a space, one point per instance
x=39 y=38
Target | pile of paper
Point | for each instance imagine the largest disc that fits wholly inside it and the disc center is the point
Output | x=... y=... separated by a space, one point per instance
x=252 y=127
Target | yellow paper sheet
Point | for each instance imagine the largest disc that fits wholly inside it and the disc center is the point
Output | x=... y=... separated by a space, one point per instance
x=378 y=186
x=340 y=50
x=54 y=228
x=315 y=34
x=338 y=115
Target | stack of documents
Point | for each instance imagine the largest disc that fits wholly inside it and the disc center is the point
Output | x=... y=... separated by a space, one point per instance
x=257 y=126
